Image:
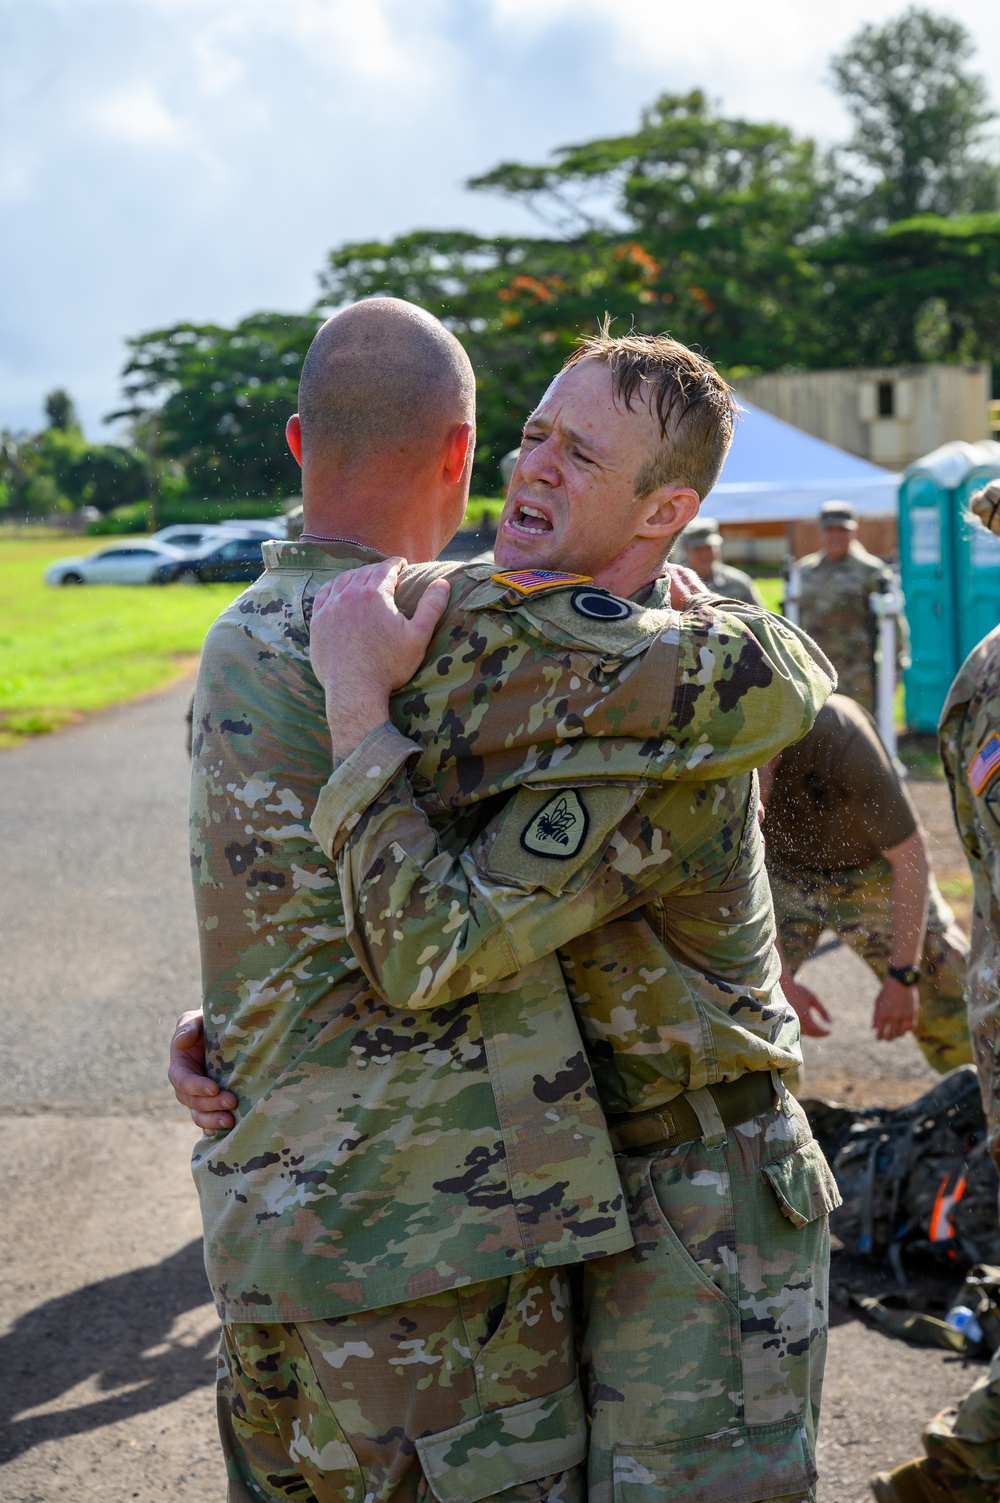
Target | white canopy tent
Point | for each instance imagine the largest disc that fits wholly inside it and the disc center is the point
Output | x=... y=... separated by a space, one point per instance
x=777 y=473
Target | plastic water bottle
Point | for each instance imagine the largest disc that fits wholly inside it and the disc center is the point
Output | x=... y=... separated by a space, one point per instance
x=962 y=1319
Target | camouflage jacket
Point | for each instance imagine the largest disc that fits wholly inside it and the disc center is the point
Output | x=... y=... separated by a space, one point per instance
x=733 y=583
x=970 y=749
x=378 y=1156
x=834 y=609
x=655 y=899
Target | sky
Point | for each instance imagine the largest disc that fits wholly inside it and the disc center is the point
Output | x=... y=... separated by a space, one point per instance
x=169 y=160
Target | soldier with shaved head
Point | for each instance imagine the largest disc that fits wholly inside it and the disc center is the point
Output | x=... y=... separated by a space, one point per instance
x=392 y=1188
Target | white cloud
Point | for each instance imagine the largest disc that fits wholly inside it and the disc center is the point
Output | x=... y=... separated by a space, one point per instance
x=137 y=116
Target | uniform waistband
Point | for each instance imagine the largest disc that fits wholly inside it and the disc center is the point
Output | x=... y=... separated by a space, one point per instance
x=663 y=1127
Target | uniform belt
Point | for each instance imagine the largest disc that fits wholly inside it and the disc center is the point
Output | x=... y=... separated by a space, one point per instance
x=668 y=1126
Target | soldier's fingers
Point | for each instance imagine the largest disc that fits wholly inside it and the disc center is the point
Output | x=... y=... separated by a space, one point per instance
x=213 y=1122
x=430 y=608
x=985 y=504
x=187 y=1028
x=198 y=1091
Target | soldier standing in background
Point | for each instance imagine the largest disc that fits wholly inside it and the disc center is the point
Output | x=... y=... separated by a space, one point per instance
x=701 y=542
x=962 y=1464
x=834 y=586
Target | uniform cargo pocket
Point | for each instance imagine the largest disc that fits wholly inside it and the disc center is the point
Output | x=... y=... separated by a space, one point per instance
x=747 y=1464
x=506 y=1447
x=804 y=1184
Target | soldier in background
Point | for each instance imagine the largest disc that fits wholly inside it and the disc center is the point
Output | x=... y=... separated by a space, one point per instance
x=963 y=1444
x=834 y=589
x=701 y=541
x=845 y=851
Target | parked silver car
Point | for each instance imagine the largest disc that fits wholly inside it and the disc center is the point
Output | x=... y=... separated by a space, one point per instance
x=119 y=563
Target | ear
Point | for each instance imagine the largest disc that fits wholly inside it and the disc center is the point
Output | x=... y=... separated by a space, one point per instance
x=293 y=436
x=666 y=511
x=457 y=453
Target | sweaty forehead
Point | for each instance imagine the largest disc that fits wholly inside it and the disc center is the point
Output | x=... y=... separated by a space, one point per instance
x=580 y=403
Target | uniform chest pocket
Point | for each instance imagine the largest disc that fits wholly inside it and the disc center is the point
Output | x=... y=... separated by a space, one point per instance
x=553 y=838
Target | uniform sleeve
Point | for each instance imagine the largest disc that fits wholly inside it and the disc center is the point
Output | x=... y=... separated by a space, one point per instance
x=950 y=744
x=429 y=926
x=871 y=782
x=749 y=683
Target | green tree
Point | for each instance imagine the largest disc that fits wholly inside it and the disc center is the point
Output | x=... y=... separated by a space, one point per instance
x=60 y=411
x=221 y=399
x=928 y=288
x=919 y=118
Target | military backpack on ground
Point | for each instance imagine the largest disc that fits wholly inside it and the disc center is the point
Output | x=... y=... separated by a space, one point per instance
x=917 y=1180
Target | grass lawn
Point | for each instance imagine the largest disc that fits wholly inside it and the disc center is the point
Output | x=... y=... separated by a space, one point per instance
x=68 y=650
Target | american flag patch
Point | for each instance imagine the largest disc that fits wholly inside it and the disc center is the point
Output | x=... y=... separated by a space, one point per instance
x=985 y=763
x=529 y=581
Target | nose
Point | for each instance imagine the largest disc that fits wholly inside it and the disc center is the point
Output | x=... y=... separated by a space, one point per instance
x=537 y=464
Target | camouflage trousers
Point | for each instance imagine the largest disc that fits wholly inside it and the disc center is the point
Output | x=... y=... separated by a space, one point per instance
x=857 y=905
x=963 y=1444
x=469 y=1394
x=704 y=1345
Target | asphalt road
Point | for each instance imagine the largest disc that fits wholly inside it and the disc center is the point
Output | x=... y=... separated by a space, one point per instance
x=106 y=1329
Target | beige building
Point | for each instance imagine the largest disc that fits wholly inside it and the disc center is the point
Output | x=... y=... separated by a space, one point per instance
x=890 y=415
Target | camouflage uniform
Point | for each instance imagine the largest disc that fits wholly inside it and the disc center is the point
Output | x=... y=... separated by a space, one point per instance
x=963 y=1444
x=380 y=1159
x=733 y=583
x=836 y=805
x=857 y=905
x=834 y=610
x=329 y=1409
x=704 y=1344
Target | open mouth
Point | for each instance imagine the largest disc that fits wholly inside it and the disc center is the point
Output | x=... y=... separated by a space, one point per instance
x=528 y=521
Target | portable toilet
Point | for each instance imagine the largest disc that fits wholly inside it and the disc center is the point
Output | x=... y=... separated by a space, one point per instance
x=950 y=570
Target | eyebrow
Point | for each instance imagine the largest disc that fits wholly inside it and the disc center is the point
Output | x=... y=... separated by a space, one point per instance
x=572 y=434
x=585 y=442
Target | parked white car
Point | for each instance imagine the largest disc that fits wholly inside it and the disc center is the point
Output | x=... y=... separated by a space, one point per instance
x=120 y=563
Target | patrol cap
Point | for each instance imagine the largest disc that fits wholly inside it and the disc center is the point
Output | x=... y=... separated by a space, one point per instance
x=838 y=514
x=702 y=531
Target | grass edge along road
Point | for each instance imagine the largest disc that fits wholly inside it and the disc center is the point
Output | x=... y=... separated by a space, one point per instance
x=66 y=652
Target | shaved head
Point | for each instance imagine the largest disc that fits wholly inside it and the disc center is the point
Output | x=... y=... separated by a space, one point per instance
x=383 y=382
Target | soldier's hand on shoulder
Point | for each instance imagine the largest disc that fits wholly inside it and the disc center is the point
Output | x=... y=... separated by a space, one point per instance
x=362 y=647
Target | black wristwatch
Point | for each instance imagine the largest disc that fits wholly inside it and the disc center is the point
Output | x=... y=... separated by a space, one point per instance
x=906 y=975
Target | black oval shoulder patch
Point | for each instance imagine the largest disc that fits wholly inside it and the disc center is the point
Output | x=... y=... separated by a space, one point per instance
x=597 y=606
x=559 y=828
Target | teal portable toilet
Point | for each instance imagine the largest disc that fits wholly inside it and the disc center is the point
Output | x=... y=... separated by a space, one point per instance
x=927 y=568
x=950 y=571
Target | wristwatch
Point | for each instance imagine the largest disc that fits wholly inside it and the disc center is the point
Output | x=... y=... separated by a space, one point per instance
x=906 y=975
